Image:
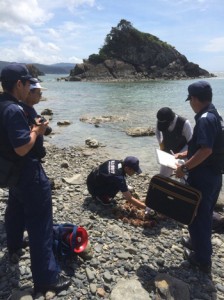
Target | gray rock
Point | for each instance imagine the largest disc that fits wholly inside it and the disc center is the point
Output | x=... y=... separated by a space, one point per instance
x=123 y=255
x=93 y=288
x=75 y=179
x=21 y=295
x=129 y=289
x=171 y=288
x=90 y=274
x=220 y=287
x=107 y=277
x=92 y=143
x=140 y=131
x=63 y=123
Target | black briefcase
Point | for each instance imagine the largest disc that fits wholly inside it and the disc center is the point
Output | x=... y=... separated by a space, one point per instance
x=173 y=199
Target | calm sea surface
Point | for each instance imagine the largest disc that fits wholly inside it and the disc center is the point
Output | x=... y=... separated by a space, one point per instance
x=137 y=102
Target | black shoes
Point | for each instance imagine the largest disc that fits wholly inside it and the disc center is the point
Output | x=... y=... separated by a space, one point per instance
x=190 y=257
x=62 y=284
x=186 y=242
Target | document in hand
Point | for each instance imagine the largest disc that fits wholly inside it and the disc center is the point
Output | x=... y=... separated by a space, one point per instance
x=167 y=159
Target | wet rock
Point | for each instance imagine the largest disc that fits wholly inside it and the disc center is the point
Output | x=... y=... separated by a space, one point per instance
x=140 y=131
x=92 y=143
x=102 y=119
x=63 y=123
x=47 y=112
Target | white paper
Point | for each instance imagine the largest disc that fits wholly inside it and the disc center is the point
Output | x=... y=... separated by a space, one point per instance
x=167 y=159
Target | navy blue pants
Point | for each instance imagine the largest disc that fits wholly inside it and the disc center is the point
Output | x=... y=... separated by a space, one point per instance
x=30 y=207
x=200 y=230
x=101 y=186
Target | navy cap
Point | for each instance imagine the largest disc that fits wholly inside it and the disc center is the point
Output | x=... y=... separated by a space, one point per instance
x=199 y=88
x=164 y=117
x=14 y=72
x=133 y=163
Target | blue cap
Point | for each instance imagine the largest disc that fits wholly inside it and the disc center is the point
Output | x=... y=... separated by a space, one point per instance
x=199 y=88
x=133 y=163
x=14 y=72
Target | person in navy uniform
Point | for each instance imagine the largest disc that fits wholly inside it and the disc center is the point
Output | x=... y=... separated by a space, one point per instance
x=173 y=133
x=204 y=174
x=105 y=181
x=29 y=205
x=27 y=104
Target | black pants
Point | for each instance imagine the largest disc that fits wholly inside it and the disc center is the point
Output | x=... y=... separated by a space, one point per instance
x=30 y=207
x=100 y=186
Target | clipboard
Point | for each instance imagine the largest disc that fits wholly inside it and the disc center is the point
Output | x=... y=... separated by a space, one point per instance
x=168 y=160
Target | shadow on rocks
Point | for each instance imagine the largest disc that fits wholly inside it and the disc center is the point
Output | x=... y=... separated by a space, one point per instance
x=99 y=209
x=178 y=282
x=9 y=272
x=151 y=226
x=68 y=266
x=162 y=225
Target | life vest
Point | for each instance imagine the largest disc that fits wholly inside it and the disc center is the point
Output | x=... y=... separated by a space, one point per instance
x=174 y=140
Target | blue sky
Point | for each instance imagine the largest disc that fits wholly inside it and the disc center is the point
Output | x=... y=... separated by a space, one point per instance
x=51 y=31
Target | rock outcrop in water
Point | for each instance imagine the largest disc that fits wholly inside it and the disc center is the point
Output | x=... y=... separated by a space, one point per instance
x=129 y=54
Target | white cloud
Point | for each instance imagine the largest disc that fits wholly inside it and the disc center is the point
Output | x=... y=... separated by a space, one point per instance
x=32 y=49
x=70 y=5
x=215 y=45
x=53 y=33
x=18 y=29
x=74 y=59
x=24 y=29
x=53 y=47
x=70 y=26
x=22 y=13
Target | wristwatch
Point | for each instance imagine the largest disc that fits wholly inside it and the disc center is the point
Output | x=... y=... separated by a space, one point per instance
x=184 y=169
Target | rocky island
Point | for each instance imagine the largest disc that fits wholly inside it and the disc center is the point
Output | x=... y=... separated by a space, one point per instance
x=129 y=54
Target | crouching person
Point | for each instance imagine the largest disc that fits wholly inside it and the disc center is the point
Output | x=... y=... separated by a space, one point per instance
x=105 y=181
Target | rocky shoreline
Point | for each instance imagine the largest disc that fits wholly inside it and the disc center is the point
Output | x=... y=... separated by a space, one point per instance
x=130 y=261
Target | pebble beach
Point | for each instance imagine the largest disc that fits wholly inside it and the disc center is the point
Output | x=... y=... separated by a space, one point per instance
x=130 y=261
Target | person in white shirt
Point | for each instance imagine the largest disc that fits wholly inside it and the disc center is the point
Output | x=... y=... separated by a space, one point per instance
x=173 y=133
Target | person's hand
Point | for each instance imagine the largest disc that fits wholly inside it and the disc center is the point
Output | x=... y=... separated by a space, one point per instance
x=179 y=173
x=161 y=146
x=181 y=155
x=41 y=120
x=41 y=127
x=177 y=155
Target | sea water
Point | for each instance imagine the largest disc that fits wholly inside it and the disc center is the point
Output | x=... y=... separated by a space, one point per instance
x=136 y=102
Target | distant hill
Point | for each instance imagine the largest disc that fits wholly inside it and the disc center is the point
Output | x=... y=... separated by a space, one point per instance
x=59 y=68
